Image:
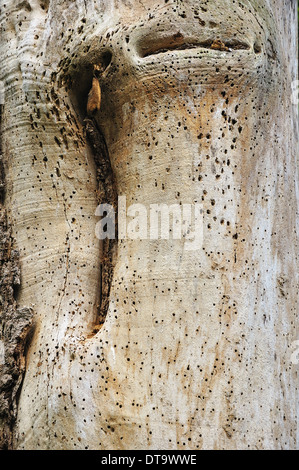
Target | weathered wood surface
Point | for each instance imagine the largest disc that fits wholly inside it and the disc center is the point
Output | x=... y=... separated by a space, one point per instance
x=194 y=352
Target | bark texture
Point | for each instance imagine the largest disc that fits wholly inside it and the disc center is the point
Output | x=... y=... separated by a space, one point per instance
x=15 y=327
x=192 y=351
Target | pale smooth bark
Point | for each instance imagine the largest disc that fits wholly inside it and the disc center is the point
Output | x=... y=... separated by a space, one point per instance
x=194 y=352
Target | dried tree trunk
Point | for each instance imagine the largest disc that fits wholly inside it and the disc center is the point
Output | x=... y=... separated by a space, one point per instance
x=142 y=344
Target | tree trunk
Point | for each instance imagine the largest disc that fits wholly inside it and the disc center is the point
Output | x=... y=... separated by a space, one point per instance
x=149 y=342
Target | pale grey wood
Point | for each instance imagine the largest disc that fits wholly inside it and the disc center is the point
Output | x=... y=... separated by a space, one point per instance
x=195 y=351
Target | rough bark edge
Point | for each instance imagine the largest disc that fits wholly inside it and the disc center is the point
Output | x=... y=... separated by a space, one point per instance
x=15 y=325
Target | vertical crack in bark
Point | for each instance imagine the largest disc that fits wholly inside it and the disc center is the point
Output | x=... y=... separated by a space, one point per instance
x=15 y=325
x=67 y=257
x=107 y=194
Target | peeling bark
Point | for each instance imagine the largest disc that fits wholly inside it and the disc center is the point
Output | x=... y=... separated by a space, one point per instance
x=16 y=324
x=15 y=327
